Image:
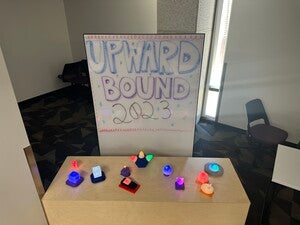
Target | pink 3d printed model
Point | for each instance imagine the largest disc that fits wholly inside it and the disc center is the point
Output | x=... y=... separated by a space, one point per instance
x=179 y=183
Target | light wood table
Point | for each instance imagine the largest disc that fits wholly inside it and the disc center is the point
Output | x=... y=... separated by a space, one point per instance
x=156 y=202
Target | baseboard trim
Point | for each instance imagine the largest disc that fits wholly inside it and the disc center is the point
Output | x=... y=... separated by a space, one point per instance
x=291 y=144
x=39 y=97
x=221 y=125
x=231 y=127
x=56 y=93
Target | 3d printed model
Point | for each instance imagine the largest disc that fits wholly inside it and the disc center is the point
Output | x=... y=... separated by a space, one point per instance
x=202 y=178
x=74 y=164
x=125 y=172
x=214 y=169
x=141 y=160
x=179 y=183
x=167 y=170
x=207 y=189
x=129 y=185
x=97 y=175
x=74 y=179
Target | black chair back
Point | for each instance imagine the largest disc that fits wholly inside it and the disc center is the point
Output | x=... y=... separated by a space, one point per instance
x=71 y=69
x=262 y=133
x=77 y=73
x=255 y=111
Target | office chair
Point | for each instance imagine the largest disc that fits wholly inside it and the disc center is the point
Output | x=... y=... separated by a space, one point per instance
x=76 y=73
x=262 y=133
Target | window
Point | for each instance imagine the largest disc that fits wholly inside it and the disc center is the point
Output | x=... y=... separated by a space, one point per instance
x=215 y=75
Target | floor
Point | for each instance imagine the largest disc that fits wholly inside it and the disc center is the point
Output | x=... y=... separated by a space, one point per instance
x=63 y=123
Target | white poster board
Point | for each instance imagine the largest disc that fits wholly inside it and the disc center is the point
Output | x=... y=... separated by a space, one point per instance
x=287 y=167
x=145 y=90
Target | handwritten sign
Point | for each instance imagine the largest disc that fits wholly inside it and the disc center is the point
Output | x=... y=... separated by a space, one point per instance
x=145 y=90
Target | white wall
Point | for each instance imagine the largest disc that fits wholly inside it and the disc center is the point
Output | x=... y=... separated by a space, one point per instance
x=177 y=16
x=35 y=44
x=103 y=16
x=263 y=53
x=190 y=16
x=20 y=204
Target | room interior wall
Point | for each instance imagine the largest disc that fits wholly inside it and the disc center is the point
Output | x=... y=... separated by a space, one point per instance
x=113 y=16
x=35 y=44
x=177 y=16
x=263 y=53
x=20 y=203
x=191 y=16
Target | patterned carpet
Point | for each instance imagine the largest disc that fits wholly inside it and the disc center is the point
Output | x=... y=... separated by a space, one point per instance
x=63 y=123
x=60 y=125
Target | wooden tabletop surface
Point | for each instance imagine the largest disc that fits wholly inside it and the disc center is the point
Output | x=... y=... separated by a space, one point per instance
x=155 y=187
